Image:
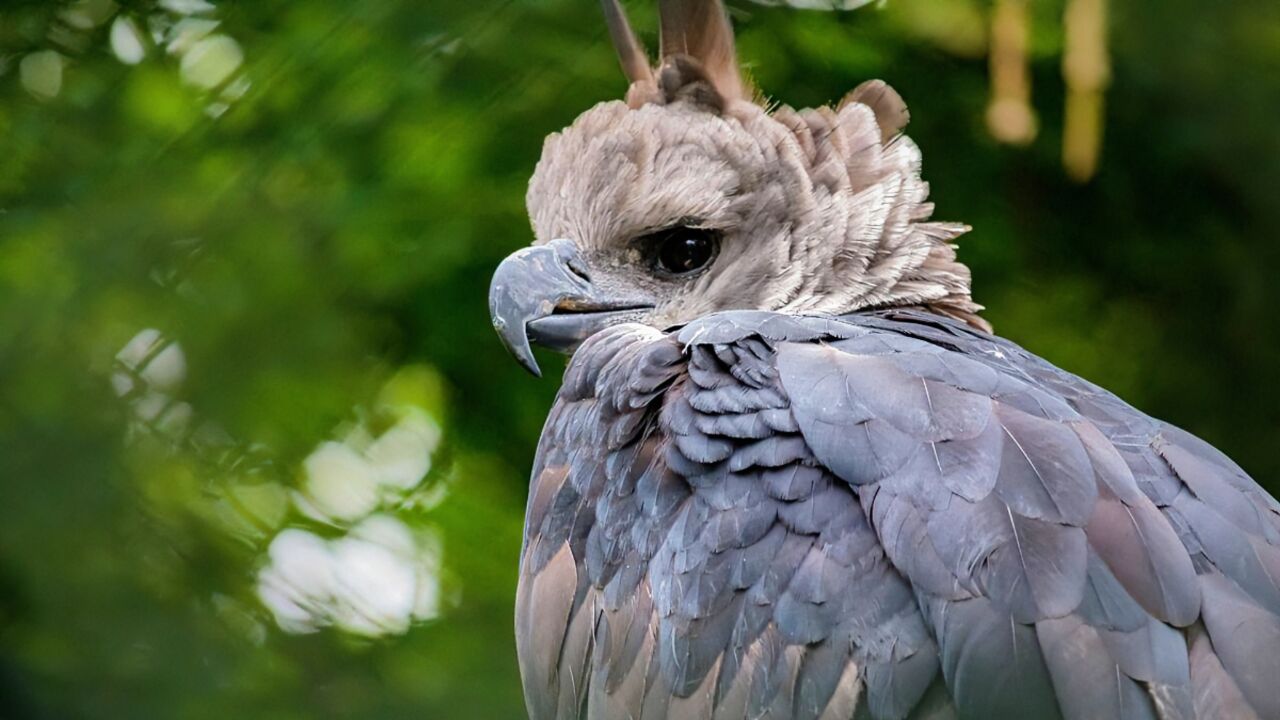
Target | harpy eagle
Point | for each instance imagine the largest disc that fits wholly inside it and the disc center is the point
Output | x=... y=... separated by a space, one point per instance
x=790 y=472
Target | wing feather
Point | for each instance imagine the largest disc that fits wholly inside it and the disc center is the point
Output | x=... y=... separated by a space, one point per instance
x=544 y=602
x=1085 y=676
x=1245 y=638
x=887 y=515
x=1088 y=533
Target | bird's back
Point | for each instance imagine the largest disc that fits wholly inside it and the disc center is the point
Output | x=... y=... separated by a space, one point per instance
x=888 y=514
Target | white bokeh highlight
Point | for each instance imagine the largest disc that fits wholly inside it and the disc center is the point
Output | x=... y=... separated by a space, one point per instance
x=380 y=576
x=149 y=372
x=211 y=61
x=344 y=481
x=355 y=567
x=127 y=41
x=41 y=74
x=376 y=580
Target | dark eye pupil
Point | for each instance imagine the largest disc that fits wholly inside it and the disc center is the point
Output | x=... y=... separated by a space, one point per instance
x=684 y=252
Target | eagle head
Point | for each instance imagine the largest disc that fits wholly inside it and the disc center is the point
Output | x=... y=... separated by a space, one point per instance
x=693 y=195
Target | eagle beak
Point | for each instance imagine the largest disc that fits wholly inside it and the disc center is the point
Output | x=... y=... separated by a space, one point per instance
x=543 y=294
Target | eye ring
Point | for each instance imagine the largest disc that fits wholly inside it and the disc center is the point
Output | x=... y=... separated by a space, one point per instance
x=683 y=251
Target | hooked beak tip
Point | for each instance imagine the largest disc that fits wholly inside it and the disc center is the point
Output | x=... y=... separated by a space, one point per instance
x=537 y=296
x=525 y=358
x=516 y=340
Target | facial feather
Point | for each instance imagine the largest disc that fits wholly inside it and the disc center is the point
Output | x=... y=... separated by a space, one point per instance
x=816 y=211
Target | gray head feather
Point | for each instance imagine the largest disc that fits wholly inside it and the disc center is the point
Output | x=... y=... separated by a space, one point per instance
x=817 y=211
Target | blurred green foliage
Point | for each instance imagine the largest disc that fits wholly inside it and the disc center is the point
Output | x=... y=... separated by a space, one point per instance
x=311 y=208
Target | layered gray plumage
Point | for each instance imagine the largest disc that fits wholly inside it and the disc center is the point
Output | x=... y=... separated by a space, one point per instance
x=885 y=515
x=790 y=474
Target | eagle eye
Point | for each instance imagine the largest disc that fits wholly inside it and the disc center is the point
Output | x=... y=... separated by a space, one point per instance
x=683 y=250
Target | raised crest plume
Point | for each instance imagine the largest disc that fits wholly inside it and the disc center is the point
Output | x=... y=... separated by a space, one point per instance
x=697 y=60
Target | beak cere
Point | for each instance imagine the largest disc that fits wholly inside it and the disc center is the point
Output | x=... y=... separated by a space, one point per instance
x=542 y=294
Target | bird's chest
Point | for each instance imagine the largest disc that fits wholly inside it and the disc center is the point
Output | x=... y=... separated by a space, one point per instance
x=601 y=503
x=682 y=546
